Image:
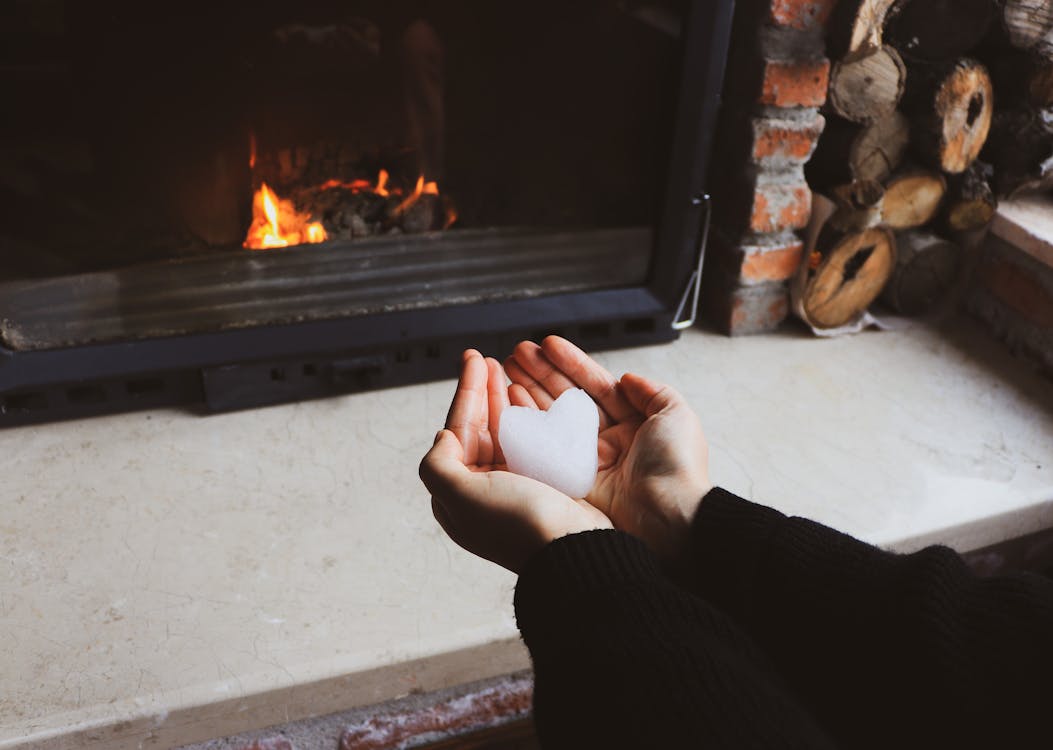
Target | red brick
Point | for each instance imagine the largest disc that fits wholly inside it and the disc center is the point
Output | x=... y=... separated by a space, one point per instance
x=781 y=142
x=794 y=83
x=771 y=264
x=751 y=262
x=800 y=14
x=778 y=206
x=739 y=310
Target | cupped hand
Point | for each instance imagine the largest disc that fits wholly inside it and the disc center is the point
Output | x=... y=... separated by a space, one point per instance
x=489 y=511
x=653 y=457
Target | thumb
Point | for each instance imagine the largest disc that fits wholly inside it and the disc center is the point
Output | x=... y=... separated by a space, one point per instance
x=443 y=466
x=647 y=396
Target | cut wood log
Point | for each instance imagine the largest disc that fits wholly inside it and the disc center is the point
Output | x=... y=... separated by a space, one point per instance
x=924 y=273
x=912 y=198
x=859 y=205
x=950 y=107
x=849 y=152
x=970 y=203
x=1040 y=86
x=846 y=273
x=1021 y=151
x=855 y=26
x=1029 y=25
x=938 y=29
x=868 y=85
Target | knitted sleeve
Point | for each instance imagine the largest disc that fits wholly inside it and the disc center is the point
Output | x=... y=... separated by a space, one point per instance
x=885 y=650
x=624 y=658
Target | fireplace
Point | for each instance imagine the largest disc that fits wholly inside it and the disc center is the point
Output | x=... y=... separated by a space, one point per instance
x=240 y=205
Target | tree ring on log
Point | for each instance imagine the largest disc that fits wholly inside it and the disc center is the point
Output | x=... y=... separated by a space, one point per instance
x=850 y=274
x=912 y=198
x=963 y=107
x=868 y=85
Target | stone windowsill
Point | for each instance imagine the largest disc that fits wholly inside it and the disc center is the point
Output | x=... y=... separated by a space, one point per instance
x=1027 y=224
x=167 y=578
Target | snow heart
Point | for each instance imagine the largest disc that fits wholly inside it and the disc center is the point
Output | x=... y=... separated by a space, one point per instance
x=558 y=446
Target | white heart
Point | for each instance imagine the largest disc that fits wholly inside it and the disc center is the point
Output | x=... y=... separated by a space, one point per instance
x=558 y=446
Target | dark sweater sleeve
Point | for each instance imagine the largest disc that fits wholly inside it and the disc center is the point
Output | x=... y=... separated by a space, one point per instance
x=624 y=658
x=885 y=650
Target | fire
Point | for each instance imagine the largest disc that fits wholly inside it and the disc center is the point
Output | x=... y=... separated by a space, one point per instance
x=277 y=223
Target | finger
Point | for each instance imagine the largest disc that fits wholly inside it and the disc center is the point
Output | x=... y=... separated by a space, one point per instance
x=646 y=395
x=497 y=400
x=442 y=469
x=589 y=375
x=541 y=397
x=467 y=416
x=532 y=359
x=520 y=396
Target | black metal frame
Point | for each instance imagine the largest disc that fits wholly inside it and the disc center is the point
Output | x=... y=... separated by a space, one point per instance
x=228 y=370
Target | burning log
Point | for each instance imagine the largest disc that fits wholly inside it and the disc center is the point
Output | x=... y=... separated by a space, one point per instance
x=848 y=152
x=970 y=201
x=912 y=198
x=847 y=271
x=867 y=85
x=856 y=25
x=950 y=105
x=925 y=270
x=938 y=29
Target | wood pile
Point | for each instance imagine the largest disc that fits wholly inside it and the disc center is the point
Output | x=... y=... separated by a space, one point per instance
x=936 y=109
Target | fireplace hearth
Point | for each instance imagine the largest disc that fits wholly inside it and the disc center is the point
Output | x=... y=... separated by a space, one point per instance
x=259 y=204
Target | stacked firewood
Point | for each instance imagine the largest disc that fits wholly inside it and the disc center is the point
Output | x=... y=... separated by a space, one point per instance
x=936 y=108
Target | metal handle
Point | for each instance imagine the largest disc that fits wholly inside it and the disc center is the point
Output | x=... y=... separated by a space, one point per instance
x=694 y=284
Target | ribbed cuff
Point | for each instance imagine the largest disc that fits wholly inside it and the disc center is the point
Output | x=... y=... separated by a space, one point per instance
x=577 y=564
x=729 y=539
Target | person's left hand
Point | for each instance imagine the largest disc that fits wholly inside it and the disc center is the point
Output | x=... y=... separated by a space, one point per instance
x=486 y=509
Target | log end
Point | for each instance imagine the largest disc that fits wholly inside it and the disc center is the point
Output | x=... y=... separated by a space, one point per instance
x=848 y=277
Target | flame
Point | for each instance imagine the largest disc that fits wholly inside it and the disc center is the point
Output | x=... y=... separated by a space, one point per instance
x=277 y=223
x=360 y=186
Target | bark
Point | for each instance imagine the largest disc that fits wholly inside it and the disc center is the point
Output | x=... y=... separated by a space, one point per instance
x=1021 y=151
x=938 y=29
x=924 y=273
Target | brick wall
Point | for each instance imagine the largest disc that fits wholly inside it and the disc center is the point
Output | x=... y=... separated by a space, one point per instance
x=769 y=124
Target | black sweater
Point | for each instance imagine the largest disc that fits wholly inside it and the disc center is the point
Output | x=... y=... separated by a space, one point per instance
x=791 y=635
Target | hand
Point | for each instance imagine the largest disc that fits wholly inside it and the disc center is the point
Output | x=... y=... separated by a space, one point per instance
x=653 y=458
x=489 y=511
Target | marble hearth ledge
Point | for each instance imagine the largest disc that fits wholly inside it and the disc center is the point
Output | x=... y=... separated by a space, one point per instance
x=165 y=578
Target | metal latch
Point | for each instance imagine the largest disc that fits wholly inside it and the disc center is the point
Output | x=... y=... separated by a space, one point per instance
x=694 y=284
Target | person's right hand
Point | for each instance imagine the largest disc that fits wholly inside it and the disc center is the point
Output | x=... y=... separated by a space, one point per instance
x=653 y=457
